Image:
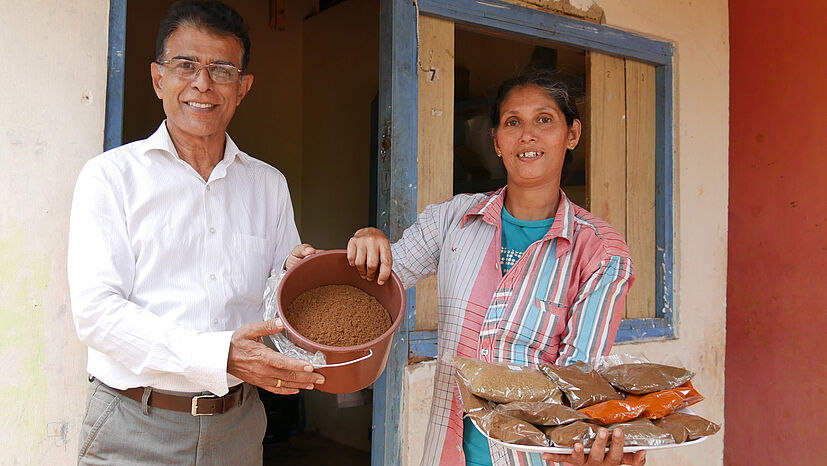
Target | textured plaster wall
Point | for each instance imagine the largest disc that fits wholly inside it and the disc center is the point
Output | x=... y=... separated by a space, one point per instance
x=699 y=30
x=51 y=122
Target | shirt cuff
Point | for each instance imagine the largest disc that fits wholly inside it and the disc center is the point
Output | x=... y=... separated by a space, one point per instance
x=209 y=360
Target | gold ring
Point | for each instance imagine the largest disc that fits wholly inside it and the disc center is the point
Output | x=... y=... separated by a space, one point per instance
x=278 y=385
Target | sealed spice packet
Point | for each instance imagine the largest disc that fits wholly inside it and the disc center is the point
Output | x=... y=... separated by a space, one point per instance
x=540 y=413
x=470 y=402
x=645 y=377
x=613 y=411
x=581 y=384
x=695 y=426
x=569 y=434
x=509 y=429
x=659 y=404
x=641 y=432
x=504 y=383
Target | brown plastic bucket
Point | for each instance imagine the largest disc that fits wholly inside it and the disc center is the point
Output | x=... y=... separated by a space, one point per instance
x=348 y=368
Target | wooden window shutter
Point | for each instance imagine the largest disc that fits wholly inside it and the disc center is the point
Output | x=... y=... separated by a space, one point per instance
x=620 y=133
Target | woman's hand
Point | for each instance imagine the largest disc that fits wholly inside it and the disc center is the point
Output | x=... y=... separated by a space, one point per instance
x=369 y=250
x=298 y=253
x=598 y=455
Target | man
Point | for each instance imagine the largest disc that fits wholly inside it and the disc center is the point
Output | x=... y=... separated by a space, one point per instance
x=171 y=241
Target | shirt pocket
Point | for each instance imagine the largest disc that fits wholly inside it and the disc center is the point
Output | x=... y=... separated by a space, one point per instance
x=539 y=328
x=252 y=258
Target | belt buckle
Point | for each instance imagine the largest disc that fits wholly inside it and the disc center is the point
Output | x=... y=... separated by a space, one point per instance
x=194 y=410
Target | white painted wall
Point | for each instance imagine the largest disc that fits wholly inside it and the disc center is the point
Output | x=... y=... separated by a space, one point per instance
x=699 y=30
x=51 y=122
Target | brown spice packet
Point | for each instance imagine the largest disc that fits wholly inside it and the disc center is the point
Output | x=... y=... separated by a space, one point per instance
x=470 y=402
x=675 y=429
x=569 y=434
x=695 y=426
x=540 y=413
x=581 y=384
x=504 y=383
x=641 y=432
x=643 y=378
x=509 y=429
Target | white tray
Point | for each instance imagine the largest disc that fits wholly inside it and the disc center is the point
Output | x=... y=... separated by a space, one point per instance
x=567 y=450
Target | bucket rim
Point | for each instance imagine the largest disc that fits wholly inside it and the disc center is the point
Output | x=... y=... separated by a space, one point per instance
x=393 y=280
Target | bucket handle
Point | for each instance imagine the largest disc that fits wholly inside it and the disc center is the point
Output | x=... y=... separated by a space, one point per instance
x=338 y=364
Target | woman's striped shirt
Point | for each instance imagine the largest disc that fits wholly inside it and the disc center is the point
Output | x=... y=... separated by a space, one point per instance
x=561 y=302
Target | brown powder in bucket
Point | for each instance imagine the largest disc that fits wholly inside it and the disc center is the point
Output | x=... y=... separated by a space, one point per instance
x=338 y=315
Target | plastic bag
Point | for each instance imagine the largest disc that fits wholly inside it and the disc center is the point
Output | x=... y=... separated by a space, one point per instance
x=659 y=404
x=638 y=376
x=613 y=411
x=569 y=434
x=541 y=414
x=641 y=432
x=695 y=426
x=510 y=429
x=282 y=343
x=581 y=384
x=504 y=383
x=470 y=402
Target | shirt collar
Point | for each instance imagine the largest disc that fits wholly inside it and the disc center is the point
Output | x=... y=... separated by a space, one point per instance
x=490 y=207
x=160 y=140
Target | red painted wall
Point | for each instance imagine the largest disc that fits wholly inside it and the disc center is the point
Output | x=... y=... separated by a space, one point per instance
x=776 y=353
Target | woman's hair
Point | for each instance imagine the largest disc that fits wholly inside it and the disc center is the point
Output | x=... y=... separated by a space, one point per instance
x=212 y=15
x=552 y=83
x=558 y=88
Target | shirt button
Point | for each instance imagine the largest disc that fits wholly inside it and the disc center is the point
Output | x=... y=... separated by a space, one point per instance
x=215 y=321
x=484 y=352
x=212 y=276
x=208 y=187
x=212 y=230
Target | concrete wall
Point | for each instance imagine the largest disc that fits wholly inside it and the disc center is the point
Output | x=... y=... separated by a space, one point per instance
x=52 y=122
x=776 y=296
x=699 y=30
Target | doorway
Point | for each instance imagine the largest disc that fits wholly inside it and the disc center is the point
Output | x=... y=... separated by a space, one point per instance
x=309 y=115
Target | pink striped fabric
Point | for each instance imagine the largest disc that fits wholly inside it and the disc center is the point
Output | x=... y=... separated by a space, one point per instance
x=561 y=302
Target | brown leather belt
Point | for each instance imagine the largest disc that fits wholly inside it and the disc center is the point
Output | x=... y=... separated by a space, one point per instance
x=199 y=405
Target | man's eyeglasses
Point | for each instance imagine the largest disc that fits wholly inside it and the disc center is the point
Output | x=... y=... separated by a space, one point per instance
x=188 y=69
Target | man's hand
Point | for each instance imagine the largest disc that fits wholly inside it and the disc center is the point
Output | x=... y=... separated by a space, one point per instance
x=298 y=253
x=253 y=362
x=598 y=456
x=369 y=250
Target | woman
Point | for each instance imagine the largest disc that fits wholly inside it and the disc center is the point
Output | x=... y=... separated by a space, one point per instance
x=525 y=276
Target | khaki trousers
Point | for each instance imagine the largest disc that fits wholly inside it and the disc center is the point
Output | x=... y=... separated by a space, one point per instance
x=116 y=431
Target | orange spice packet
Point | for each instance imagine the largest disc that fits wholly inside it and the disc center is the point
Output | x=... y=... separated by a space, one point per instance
x=659 y=404
x=613 y=411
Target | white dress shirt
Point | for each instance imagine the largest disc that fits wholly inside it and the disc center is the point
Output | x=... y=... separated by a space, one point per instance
x=164 y=266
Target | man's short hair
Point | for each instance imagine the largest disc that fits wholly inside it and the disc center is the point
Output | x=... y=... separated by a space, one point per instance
x=212 y=15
